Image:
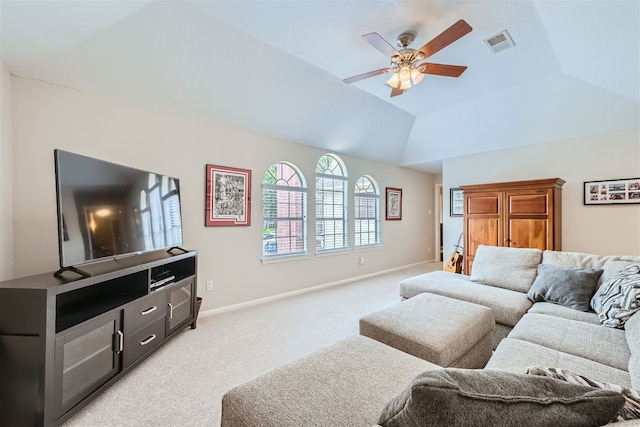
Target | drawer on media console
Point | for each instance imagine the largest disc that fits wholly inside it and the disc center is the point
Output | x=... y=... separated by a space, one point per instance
x=138 y=343
x=145 y=311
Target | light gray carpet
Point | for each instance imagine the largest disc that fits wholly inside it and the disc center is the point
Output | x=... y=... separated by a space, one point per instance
x=183 y=382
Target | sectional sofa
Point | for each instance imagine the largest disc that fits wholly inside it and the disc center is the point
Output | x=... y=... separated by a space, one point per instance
x=567 y=349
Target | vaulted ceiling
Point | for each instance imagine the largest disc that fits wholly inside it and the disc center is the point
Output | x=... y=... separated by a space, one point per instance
x=276 y=67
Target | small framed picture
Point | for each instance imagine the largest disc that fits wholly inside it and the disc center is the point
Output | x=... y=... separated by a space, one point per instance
x=456 y=202
x=394 y=204
x=228 y=196
x=612 y=192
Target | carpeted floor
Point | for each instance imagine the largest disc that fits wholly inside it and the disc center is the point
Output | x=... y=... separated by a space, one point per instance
x=183 y=382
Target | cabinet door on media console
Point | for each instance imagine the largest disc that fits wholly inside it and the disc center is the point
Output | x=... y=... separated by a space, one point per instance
x=86 y=356
x=180 y=303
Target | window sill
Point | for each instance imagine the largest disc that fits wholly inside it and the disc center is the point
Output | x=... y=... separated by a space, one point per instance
x=332 y=252
x=283 y=258
x=368 y=248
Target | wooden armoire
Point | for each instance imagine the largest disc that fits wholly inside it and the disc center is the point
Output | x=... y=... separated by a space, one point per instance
x=521 y=214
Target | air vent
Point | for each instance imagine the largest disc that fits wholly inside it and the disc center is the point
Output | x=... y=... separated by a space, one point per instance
x=500 y=42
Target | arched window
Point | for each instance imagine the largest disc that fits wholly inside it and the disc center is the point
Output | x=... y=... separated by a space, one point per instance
x=284 y=211
x=367 y=212
x=331 y=204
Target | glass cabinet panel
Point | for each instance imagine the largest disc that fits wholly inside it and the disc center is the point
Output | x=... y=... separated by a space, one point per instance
x=179 y=308
x=87 y=356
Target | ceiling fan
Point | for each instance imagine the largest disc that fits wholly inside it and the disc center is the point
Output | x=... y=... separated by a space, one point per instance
x=405 y=63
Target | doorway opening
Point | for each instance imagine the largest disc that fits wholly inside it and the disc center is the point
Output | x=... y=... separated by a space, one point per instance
x=438 y=225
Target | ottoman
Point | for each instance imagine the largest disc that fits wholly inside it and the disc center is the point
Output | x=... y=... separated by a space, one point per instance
x=441 y=330
x=346 y=384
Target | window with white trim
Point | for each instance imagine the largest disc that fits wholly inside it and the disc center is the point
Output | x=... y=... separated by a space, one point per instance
x=160 y=212
x=331 y=204
x=366 y=199
x=284 y=209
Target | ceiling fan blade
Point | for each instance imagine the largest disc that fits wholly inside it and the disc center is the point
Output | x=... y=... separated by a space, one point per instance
x=365 y=75
x=376 y=40
x=443 y=69
x=396 y=91
x=445 y=38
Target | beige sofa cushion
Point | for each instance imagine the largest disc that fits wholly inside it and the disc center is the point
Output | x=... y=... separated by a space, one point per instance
x=594 y=342
x=632 y=331
x=515 y=355
x=509 y=268
x=508 y=306
x=558 y=310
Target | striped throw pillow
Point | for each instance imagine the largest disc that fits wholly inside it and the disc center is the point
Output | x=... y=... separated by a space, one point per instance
x=618 y=298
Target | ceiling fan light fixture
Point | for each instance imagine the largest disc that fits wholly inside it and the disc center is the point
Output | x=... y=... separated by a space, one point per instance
x=416 y=76
x=405 y=72
x=394 y=80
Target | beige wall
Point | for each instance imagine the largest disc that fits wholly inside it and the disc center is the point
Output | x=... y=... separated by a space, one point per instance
x=6 y=159
x=46 y=117
x=608 y=229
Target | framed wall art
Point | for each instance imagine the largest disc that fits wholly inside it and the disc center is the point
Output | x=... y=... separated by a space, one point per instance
x=456 y=202
x=394 y=204
x=228 y=196
x=612 y=192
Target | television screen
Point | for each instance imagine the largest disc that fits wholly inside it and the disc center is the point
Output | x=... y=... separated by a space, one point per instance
x=106 y=210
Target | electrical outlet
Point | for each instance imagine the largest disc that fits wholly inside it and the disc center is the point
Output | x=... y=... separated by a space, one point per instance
x=209 y=285
x=361 y=260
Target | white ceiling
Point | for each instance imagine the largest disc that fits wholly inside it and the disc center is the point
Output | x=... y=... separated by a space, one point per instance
x=276 y=67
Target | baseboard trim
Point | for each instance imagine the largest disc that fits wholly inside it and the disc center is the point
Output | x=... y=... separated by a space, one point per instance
x=277 y=297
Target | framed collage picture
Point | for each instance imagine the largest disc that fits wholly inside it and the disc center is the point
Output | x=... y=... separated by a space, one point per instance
x=612 y=192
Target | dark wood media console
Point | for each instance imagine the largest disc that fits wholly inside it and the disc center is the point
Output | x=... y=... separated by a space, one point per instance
x=63 y=340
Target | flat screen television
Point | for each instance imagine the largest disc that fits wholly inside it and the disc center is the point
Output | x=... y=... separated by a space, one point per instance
x=107 y=210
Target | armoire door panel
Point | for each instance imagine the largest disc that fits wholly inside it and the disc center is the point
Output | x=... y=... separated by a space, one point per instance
x=484 y=205
x=482 y=231
x=528 y=233
x=528 y=204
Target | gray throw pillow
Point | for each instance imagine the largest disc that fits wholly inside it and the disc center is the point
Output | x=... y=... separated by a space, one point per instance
x=631 y=408
x=572 y=287
x=482 y=397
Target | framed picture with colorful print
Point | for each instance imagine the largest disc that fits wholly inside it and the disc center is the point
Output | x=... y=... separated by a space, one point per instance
x=394 y=204
x=228 y=196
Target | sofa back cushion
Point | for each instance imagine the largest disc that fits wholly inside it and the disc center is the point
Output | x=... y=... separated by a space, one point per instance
x=610 y=264
x=508 y=268
x=632 y=332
